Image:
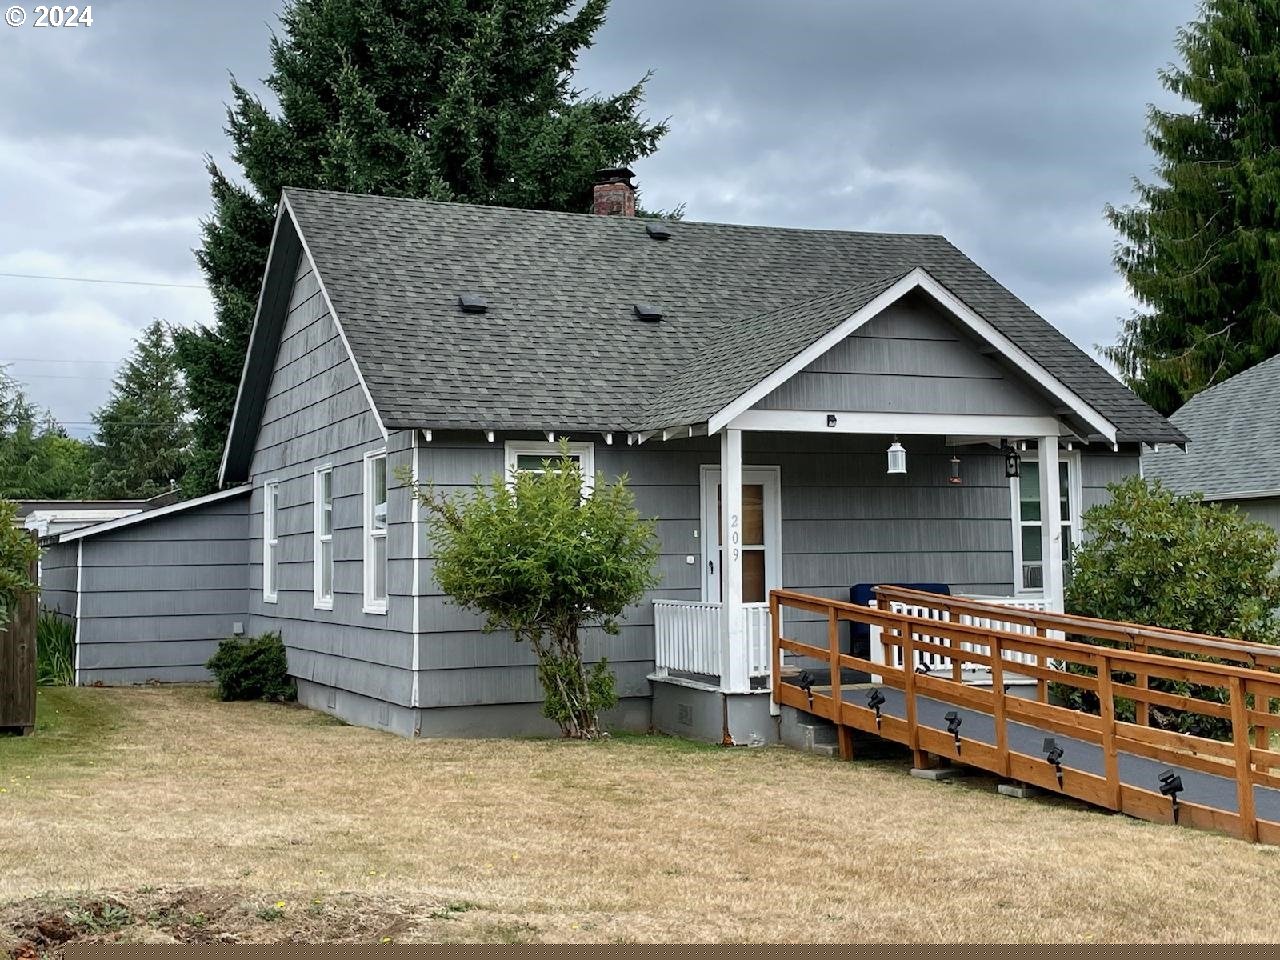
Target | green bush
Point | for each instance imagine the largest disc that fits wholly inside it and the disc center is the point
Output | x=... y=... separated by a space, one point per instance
x=1153 y=557
x=253 y=668
x=18 y=551
x=55 y=649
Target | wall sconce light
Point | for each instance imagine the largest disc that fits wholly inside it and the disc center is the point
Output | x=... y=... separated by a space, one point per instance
x=831 y=419
x=955 y=470
x=953 y=726
x=1012 y=462
x=1053 y=753
x=1171 y=786
x=875 y=700
x=897 y=457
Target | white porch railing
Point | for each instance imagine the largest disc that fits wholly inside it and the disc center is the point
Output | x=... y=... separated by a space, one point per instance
x=933 y=661
x=687 y=638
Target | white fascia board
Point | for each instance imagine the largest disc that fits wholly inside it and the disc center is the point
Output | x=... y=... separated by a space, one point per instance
x=919 y=278
x=905 y=424
x=337 y=322
x=133 y=518
x=253 y=335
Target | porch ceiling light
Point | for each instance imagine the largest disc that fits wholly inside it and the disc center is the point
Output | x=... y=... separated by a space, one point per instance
x=831 y=420
x=897 y=457
x=1012 y=462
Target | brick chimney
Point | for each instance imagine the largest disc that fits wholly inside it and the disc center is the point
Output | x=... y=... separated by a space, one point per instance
x=614 y=194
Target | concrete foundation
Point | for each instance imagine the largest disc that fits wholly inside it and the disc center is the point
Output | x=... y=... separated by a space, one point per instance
x=938 y=773
x=686 y=708
x=1019 y=791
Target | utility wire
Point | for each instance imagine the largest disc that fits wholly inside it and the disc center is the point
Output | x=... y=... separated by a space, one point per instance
x=128 y=283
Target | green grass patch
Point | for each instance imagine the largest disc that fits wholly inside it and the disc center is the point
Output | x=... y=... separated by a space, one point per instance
x=72 y=724
x=660 y=741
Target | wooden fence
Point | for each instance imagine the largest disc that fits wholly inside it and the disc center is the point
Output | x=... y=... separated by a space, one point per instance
x=18 y=665
x=1237 y=692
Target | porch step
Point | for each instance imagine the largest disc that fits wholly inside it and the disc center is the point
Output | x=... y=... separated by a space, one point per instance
x=804 y=731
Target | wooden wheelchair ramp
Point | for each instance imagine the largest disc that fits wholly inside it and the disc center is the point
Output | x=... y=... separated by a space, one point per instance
x=1008 y=724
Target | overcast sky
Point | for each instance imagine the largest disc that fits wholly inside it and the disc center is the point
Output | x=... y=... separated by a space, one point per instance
x=1004 y=125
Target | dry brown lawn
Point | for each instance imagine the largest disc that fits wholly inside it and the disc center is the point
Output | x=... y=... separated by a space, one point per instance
x=160 y=814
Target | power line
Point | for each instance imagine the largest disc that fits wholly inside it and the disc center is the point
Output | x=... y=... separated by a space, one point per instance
x=129 y=283
x=51 y=360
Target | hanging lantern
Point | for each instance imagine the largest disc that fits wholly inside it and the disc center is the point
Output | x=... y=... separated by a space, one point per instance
x=897 y=457
x=955 y=470
x=1012 y=462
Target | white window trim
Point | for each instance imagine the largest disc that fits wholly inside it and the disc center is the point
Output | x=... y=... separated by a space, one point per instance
x=372 y=604
x=270 y=542
x=586 y=453
x=1075 y=496
x=319 y=600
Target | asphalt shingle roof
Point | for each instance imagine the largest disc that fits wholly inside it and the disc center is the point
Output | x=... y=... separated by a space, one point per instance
x=1234 y=433
x=560 y=347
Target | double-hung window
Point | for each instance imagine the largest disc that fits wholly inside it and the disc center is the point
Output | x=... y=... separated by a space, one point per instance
x=525 y=456
x=322 y=548
x=375 y=533
x=270 y=542
x=1028 y=526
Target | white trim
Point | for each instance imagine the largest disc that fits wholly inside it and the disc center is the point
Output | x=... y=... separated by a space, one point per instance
x=342 y=334
x=253 y=330
x=270 y=542
x=916 y=279
x=585 y=452
x=75 y=676
x=318 y=600
x=708 y=480
x=1075 y=497
x=373 y=604
x=906 y=424
x=152 y=514
x=415 y=510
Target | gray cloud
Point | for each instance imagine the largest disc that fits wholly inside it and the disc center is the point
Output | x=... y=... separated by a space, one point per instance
x=1005 y=126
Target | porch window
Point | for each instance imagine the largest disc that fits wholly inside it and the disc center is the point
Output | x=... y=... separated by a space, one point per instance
x=527 y=457
x=375 y=533
x=270 y=542
x=754 y=588
x=322 y=554
x=1028 y=541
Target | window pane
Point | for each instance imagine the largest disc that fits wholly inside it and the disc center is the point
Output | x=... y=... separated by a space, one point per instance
x=532 y=462
x=378 y=493
x=379 y=568
x=1029 y=491
x=326 y=568
x=752 y=514
x=1032 y=544
x=753 y=576
x=1064 y=490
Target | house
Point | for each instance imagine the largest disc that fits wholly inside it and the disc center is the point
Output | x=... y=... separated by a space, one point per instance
x=1234 y=454
x=849 y=405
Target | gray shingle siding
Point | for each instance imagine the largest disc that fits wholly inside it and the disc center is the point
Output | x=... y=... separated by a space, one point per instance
x=58 y=578
x=157 y=596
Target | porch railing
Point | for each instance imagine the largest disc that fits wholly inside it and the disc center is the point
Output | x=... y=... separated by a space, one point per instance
x=687 y=638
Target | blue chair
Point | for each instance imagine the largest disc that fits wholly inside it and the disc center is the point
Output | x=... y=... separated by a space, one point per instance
x=863 y=594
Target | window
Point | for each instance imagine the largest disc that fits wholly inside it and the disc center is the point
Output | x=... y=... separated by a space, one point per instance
x=375 y=533
x=1028 y=541
x=270 y=541
x=530 y=457
x=322 y=548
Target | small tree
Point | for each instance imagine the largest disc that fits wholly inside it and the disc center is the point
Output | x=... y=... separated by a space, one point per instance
x=1152 y=556
x=541 y=560
x=17 y=552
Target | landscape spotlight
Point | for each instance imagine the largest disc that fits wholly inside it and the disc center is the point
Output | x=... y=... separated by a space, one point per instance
x=875 y=700
x=953 y=726
x=1171 y=786
x=805 y=682
x=1053 y=753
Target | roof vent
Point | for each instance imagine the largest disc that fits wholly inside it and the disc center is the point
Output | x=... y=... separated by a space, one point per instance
x=649 y=312
x=473 y=303
x=659 y=231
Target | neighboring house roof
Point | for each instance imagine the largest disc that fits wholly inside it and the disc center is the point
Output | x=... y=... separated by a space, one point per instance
x=26 y=507
x=1234 y=433
x=560 y=347
x=147 y=515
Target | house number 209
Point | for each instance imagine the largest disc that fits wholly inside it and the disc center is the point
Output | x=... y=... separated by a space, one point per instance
x=733 y=534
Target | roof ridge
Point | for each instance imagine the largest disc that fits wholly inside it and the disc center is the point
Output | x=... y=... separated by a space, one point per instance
x=1235 y=379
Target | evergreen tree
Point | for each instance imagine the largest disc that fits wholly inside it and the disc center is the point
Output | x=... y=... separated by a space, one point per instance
x=466 y=100
x=38 y=461
x=1201 y=247
x=143 y=439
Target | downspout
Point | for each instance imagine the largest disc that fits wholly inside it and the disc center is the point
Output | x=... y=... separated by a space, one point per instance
x=417 y=583
x=79 y=595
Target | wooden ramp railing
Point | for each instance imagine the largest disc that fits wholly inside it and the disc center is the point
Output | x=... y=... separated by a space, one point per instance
x=1112 y=763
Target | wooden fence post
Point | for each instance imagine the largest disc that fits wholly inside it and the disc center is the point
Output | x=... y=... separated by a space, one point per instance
x=908 y=648
x=844 y=735
x=1244 y=771
x=1110 y=758
x=1141 y=680
x=998 y=698
x=18 y=662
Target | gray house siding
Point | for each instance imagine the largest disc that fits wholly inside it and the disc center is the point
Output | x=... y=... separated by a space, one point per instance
x=912 y=358
x=1264 y=510
x=156 y=597
x=58 y=578
x=317 y=415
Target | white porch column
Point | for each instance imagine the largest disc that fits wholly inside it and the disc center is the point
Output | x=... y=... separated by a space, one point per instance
x=734 y=668
x=1051 y=522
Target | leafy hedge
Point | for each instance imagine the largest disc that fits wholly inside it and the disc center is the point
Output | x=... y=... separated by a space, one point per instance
x=17 y=552
x=253 y=668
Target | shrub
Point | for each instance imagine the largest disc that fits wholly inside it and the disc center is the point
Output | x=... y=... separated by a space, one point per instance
x=55 y=649
x=253 y=668
x=538 y=558
x=1151 y=556
x=18 y=551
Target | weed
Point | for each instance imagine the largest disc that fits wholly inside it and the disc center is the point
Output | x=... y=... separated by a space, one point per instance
x=55 y=650
x=99 y=917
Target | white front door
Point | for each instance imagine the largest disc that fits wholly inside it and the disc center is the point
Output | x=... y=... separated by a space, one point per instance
x=760 y=537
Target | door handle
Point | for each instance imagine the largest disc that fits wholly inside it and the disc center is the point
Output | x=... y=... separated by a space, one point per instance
x=711 y=567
